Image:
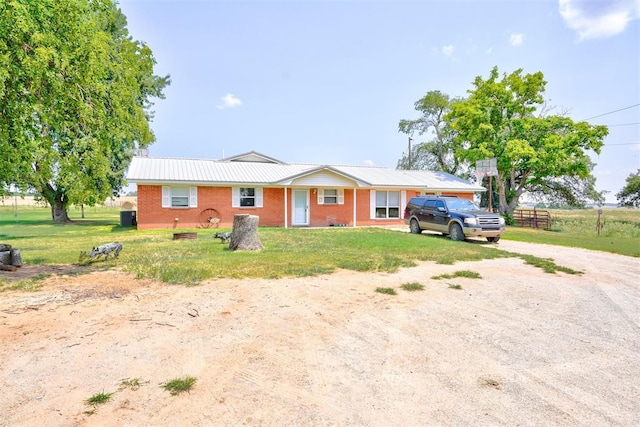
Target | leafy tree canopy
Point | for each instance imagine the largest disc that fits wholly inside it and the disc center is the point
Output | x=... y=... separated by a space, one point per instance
x=630 y=195
x=503 y=118
x=436 y=152
x=75 y=99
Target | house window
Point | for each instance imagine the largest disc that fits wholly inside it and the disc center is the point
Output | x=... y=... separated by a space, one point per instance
x=246 y=197
x=330 y=196
x=387 y=204
x=179 y=197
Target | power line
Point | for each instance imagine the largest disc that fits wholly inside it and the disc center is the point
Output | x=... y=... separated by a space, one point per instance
x=611 y=112
x=624 y=124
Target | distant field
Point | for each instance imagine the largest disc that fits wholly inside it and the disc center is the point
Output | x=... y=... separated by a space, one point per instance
x=10 y=202
x=619 y=231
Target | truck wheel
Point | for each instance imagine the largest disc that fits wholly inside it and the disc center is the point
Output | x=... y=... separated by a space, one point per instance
x=414 y=226
x=493 y=239
x=455 y=232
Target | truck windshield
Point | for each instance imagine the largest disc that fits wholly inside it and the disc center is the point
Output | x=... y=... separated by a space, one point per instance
x=462 y=205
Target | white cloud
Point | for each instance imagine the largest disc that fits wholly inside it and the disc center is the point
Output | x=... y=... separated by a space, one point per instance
x=489 y=51
x=516 y=39
x=447 y=50
x=229 y=101
x=598 y=19
x=369 y=162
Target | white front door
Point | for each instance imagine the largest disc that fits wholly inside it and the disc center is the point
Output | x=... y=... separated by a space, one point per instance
x=300 y=207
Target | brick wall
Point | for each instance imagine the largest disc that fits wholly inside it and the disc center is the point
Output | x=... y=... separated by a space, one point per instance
x=151 y=214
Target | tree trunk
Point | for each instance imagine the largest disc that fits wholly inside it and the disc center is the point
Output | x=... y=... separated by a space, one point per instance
x=502 y=196
x=58 y=201
x=59 y=211
x=244 y=236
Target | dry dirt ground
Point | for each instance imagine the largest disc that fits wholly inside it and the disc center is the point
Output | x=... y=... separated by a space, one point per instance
x=516 y=347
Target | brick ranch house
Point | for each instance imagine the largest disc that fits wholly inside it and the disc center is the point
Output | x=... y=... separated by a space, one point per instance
x=190 y=193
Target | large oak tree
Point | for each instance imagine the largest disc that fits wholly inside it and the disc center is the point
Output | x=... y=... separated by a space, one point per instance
x=75 y=99
x=542 y=155
x=503 y=117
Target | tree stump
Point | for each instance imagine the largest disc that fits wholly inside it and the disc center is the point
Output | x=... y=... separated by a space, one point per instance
x=16 y=257
x=244 y=236
x=5 y=257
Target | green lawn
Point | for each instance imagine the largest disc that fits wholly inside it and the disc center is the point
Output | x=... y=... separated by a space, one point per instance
x=288 y=252
x=619 y=233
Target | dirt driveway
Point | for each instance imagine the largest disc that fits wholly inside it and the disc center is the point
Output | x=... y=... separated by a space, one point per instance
x=516 y=347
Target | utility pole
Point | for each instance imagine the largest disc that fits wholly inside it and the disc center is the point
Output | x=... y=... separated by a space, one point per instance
x=409 y=153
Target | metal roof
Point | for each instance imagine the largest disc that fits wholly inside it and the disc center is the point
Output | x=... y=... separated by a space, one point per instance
x=152 y=170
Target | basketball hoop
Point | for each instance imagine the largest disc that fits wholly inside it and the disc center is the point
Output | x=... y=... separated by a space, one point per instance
x=487 y=167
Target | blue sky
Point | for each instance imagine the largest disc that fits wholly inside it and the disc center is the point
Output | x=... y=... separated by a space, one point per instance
x=328 y=81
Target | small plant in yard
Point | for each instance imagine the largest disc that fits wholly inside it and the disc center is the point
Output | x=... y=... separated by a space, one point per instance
x=132 y=383
x=460 y=273
x=547 y=264
x=97 y=399
x=388 y=291
x=29 y=285
x=412 y=286
x=458 y=287
x=179 y=385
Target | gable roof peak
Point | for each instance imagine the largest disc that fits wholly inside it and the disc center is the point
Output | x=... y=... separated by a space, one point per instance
x=253 y=157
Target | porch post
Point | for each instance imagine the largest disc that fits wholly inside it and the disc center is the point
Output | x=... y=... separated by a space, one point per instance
x=286 y=209
x=354 y=207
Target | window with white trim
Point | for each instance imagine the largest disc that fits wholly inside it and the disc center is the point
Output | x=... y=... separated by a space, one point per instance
x=179 y=197
x=387 y=204
x=246 y=197
x=330 y=196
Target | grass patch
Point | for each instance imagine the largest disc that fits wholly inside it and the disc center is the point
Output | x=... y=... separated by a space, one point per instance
x=132 y=383
x=293 y=252
x=619 y=234
x=98 y=399
x=179 y=385
x=460 y=273
x=153 y=254
x=412 y=286
x=457 y=287
x=547 y=265
x=30 y=285
x=388 y=291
